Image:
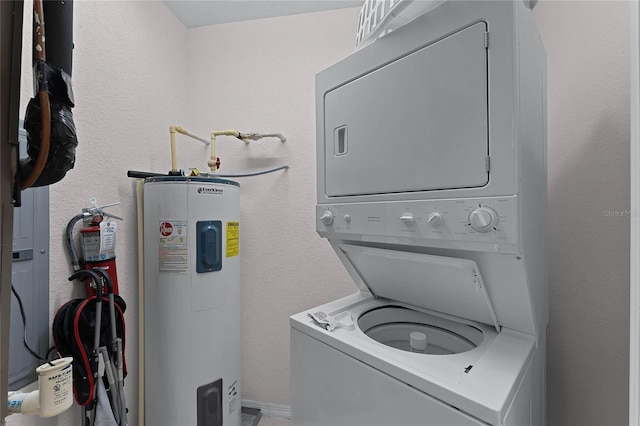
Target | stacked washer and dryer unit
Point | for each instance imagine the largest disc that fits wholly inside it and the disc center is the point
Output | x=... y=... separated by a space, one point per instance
x=431 y=162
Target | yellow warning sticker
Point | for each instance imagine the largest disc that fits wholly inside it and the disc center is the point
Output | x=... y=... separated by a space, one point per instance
x=233 y=239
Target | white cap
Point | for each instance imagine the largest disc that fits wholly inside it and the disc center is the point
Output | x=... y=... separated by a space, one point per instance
x=418 y=341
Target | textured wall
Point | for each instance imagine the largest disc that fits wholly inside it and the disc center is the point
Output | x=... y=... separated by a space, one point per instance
x=129 y=79
x=587 y=47
x=137 y=70
x=259 y=76
x=588 y=56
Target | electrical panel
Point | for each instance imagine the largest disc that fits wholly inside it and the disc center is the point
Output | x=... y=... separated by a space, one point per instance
x=30 y=278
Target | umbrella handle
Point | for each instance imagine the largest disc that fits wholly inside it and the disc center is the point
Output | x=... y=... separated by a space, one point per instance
x=88 y=273
x=112 y=309
x=106 y=277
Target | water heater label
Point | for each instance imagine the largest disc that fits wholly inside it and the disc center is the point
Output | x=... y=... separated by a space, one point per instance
x=210 y=191
x=233 y=239
x=173 y=250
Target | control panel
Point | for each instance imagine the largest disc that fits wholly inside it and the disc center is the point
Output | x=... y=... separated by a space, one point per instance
x=488 y=220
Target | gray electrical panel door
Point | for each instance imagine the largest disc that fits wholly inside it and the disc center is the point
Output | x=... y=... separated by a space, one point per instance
x=30 y=278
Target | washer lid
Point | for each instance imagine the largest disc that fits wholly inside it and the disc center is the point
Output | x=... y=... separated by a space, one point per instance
x=444 y=284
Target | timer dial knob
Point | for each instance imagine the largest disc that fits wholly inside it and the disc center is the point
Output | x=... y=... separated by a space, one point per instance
x=435 y=219
x=326 y=217
x=483 y=219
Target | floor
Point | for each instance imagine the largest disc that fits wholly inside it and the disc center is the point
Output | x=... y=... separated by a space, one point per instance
x=254 y=417
x=273 y=421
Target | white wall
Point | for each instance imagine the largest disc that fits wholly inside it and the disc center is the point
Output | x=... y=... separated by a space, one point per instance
x=587 y=47
x=259 y=76
x=588 y=144
x=137 y=70
x=129 y=79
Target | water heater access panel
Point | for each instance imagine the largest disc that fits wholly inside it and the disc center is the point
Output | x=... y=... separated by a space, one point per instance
x=421 y=119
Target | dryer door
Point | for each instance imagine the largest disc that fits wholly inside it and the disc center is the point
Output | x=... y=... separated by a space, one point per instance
x=422 y=119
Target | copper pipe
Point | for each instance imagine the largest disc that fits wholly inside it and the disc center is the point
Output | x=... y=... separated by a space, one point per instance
x=38 y=30
x=45 y=107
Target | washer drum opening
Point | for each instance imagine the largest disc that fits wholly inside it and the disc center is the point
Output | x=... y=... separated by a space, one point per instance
x=406 y=329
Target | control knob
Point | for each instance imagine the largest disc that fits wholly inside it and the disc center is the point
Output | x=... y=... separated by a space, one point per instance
x=435 y=219
x=326 y=217
x=483 y=219
x=407 y=218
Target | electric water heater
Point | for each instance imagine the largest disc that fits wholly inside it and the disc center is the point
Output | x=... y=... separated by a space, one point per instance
x=192 y=301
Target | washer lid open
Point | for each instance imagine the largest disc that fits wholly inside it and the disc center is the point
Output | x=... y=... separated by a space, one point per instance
x=444 y=284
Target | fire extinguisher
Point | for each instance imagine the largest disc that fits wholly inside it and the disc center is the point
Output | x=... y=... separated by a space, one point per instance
x=98 y=243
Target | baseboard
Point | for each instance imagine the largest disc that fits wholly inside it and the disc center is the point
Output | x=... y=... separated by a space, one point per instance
x=269 y=409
